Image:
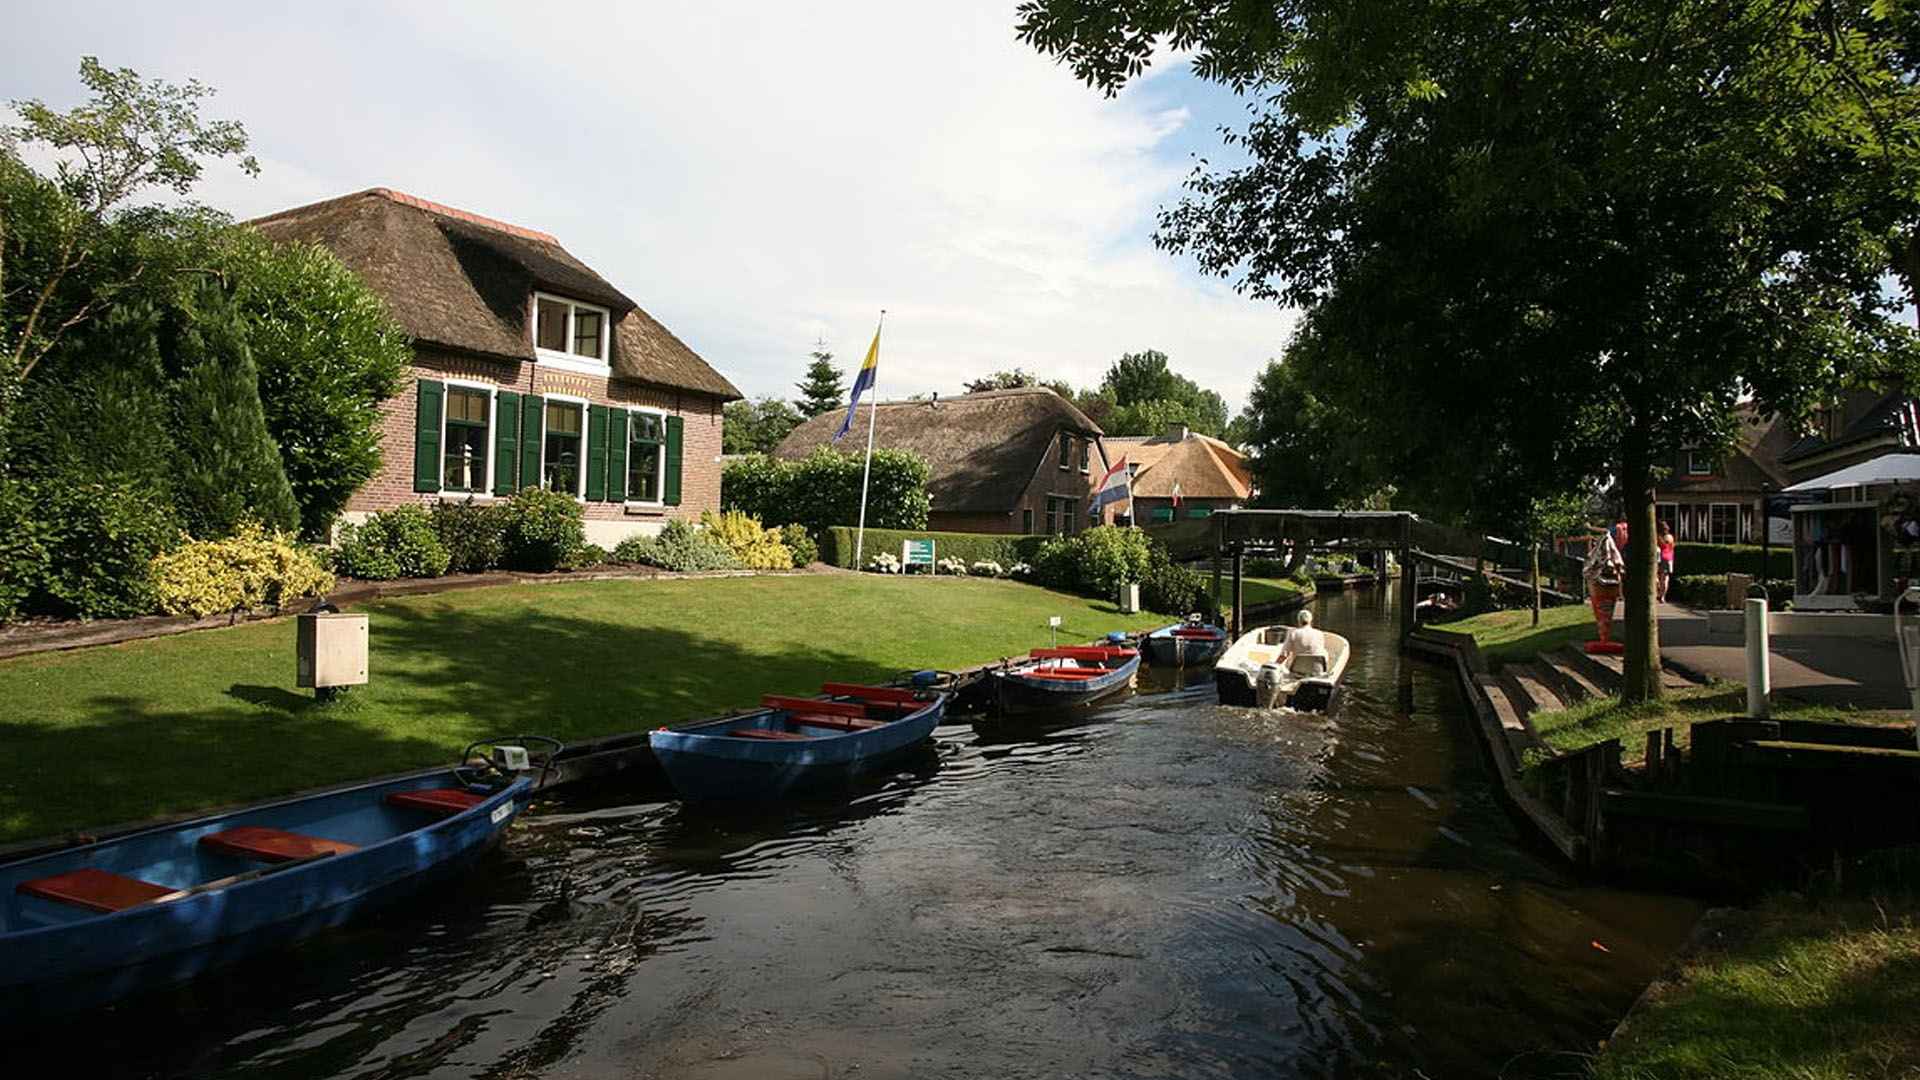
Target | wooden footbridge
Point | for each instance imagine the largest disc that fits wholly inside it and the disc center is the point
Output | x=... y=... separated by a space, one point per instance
x=1294 y=534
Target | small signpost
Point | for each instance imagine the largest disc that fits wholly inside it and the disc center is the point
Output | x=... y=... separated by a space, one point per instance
x=917 y=553
x=1053 y=630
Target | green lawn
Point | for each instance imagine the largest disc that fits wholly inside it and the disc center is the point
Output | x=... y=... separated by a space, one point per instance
x=111 y=734
x=1599 y=719
x=1259 y=591
x=1511 y=635
x=1824 y=991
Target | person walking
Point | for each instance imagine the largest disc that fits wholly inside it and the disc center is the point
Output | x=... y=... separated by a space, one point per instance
x=1666 y=560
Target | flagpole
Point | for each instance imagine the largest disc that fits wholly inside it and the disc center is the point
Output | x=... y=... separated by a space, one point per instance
x=866 y=471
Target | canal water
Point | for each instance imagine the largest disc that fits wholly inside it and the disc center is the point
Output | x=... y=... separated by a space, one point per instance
x=1165 y=889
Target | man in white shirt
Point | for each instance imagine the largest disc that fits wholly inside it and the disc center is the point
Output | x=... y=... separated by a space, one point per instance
x=1304 y=640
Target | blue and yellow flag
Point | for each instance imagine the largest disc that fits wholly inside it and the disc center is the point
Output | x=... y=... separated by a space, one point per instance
x=862 y=383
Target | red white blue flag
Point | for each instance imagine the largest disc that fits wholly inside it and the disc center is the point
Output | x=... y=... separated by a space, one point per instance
x=1113 y=487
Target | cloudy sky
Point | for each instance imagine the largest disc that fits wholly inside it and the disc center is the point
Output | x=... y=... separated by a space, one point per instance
x=758 y=176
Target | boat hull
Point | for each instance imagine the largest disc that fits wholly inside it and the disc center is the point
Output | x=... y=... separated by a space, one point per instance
x=710 y=766
x=89 y=962
x=1165 y=649
x=1017 y=694
x=1237 y=676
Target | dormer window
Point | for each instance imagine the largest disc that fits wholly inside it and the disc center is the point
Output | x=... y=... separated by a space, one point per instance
x=570 y=334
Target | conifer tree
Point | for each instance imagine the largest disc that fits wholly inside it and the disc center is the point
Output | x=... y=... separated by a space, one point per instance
x=824 y=389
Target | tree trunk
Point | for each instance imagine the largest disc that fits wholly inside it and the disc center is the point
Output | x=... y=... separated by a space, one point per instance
x=1536 y=584
x=1642 y=661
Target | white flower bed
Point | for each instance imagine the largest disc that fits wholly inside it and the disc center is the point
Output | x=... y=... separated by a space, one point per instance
x=1019 y=570
x=988 y=568
x=953 y=566
x=884 y=563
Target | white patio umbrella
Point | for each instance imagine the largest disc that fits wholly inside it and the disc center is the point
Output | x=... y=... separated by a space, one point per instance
x=1885 y=469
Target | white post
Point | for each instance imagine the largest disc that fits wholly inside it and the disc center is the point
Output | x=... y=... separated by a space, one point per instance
x=873 y=421
x=1759 y=660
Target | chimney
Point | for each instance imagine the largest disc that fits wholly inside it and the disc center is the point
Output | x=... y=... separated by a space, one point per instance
x=1176 y=433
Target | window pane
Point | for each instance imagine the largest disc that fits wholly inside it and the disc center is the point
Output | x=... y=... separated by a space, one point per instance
x=466 y=458
x=469 y=406
x=643 y=470
x=562 y=469
x=586 y=333
x=563 y=418
x=646 y=427
x=551 y=331
x=1066 y=450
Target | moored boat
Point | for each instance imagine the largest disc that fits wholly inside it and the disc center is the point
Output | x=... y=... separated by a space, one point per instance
x=1184 y=644
x=1065 y=677
x=793 y=743
x=83 y=926
x=1251 y=673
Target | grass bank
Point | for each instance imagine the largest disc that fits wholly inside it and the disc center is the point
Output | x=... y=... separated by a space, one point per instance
x=1600 y=719
x=1511 y=635
x=1812 y=991
x=1259 y=592
x=174 y=724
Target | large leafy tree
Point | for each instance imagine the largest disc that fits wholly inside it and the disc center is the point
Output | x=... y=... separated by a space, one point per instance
x=757 y=426
x=824 y=389
x=1552 y=240
x=1148 y=395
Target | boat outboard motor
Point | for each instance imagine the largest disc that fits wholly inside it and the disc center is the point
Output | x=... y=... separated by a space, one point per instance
x=1267 y=688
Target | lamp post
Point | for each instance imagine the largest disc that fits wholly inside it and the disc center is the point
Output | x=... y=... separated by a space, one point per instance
x=1766 y=537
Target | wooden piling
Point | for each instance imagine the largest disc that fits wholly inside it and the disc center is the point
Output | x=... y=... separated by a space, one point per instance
x=1239 y=593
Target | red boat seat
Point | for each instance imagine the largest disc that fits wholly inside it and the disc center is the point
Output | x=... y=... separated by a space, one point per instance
x=272 y=845
x=813 y=705
x=444 y=801
x=1083 y=652
x=889 y=695
x=1065 y=674
x=763 y=733
x=842 y=723
x=95 y=890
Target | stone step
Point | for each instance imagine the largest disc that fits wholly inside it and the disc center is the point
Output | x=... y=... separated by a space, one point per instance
x=1615 y=664
x=1595 y=668
x=1570 y=682
x=1530 y=688
x=1519 y=736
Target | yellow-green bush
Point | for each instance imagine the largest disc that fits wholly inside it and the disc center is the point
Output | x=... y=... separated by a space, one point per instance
x=251 y=569
x=757 y=547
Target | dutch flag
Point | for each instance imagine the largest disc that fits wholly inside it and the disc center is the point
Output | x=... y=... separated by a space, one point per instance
x=1113 y=488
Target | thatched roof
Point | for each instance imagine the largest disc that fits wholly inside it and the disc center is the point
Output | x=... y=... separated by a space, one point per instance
x=982 y=448
x=464 y=282
x=1205 y=467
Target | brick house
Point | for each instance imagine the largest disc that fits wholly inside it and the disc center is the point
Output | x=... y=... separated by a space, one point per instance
x=1001 y=461
x=1716 y=498
x=529 y=369
x=1208 y=473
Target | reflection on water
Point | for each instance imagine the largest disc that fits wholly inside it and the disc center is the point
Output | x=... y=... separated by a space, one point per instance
x=1170 y=889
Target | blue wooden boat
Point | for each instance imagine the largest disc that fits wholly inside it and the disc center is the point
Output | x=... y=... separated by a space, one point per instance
x=83 y=926
x=1184 y=644
x=1066 y=677
x=796 y=743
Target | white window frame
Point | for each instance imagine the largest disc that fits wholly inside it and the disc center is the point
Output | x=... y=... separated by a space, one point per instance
x=569 y=361
x=580 y=482
x=627 y=456
x=493 y=439
x=1694 y=468
x=1733 y=506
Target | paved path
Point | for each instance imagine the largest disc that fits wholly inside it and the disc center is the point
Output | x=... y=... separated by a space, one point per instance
x=1859 y=672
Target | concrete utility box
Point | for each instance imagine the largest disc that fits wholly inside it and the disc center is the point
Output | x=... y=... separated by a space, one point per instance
x=331 y=650
x=1129 y=598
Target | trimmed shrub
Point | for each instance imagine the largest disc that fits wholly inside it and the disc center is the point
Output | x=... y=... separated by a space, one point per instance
x=681 y=547
x=587 y=556
x=836 y=545
x=800 y=542
x=637 y=548
x=1708 y=592
x=249 y=570
x=100 y=541
x=397 y=543
x=756 y=547
x=1172 y=589
x=472 y=532
x=823 y=489
x=1693 y=559
x=541 y=530
x=23 y=550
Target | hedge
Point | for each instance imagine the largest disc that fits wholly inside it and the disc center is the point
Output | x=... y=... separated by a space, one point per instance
x=1708 y=592
x=836 y=545
x=1695 y=559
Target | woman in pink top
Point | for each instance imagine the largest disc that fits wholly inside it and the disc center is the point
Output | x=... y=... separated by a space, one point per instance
x=1666 y=560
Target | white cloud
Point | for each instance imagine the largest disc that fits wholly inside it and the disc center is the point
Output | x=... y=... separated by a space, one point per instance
x=756 y=176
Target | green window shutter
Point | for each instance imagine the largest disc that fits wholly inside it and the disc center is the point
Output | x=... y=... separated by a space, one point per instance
x=617 y=455
x=596 y=453
x=426 y=435
x=506 y=443
x=533 y=421
x=672 y=478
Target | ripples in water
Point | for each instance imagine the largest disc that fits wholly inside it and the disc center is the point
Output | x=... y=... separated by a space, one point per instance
x=1167 y=888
